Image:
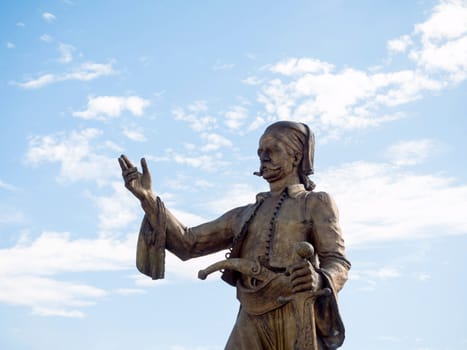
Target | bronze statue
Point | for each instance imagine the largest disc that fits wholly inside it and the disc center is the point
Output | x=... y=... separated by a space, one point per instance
x=287 y=255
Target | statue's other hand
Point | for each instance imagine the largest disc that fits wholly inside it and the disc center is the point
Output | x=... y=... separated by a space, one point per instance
x=304 y=277
x=137 y=183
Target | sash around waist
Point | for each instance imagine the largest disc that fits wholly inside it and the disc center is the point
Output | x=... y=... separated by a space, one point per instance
x=264 y=298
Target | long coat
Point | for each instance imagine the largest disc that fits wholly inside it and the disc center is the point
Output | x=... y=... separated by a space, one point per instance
x=265 y=231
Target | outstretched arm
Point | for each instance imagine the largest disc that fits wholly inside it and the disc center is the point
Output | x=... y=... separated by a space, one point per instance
x=184 y=242
x=140 y=184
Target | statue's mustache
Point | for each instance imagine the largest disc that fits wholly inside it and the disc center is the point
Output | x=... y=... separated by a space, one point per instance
x=261 y=170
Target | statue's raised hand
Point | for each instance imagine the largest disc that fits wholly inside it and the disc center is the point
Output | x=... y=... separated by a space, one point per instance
x=137 y=183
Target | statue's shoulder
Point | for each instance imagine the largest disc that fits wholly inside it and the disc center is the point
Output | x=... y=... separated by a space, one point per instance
x=320 y=201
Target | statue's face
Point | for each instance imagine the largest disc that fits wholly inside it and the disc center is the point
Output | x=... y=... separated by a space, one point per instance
x=276 y=160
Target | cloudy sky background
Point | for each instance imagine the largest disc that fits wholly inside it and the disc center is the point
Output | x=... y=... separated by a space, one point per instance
x=191 y=86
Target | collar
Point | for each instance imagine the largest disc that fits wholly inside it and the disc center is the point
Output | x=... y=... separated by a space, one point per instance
x=293 y=191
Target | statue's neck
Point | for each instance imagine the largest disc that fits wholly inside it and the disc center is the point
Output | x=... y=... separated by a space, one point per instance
x=277 y=187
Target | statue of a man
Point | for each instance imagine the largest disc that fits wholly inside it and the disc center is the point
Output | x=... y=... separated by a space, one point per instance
x=287 y=294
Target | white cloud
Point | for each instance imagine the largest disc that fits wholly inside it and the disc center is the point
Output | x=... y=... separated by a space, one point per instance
x=256 y=124
x=424 y=277
x=400 y=44
x=48 y=17
x=85 y=72
x=10 y=45
x=252 y=81
x=370 y=277
x=214 y=142
x=54 y=252
x=196 y=118
x=411 y=152
x=105 y=107
x=10 y=215
x=299 y=66
x=235 y=196
x=183 y=183
x=116 y=211
x=198 y=106
x=383 y=273
x=336 y=100
x=382 y=202
x=26 y=271
x=344 y=100
x=74 y=152
x=444 y=40
x=448 y=21
x=235 y=117
x=7 y=186
x=208 y=162
x=223 y=66
x=46 y=38
x=66 y=52
x=20 y=24
x=205 y=162
x=135 y=133
x=48 y=297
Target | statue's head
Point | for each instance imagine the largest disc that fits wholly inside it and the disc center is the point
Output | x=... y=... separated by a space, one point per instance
x=286 y=148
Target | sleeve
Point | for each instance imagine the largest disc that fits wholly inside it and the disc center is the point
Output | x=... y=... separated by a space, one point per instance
x=328 y=241
x=334 y=266
x=184 y=242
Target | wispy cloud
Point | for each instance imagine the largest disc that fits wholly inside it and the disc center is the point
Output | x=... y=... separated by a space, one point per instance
x=9 y=215
x=10 y=45
x=300 y=66
x=336 y=100
x=48 y=17
x=84 y=72
x=214 y=142
x=46 y=38
x=105 y=107
x=48 y=297
x=66 y=53
x=204 y=162
x=134 y=133
x=235 y=196
x=343 y=100
x=76 y=154
x=383 y=202
x=223 y=66
x=235 y=117
x=196 y=116
x=33 y=285
x=400 y=44
x=116 y=211
x=6 y=186
x=20 y=24
x=411 y=152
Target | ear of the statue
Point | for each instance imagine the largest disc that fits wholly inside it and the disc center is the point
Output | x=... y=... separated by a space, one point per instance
x=297 y=158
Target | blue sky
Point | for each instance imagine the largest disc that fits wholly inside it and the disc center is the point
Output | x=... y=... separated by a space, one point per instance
x=191 y=86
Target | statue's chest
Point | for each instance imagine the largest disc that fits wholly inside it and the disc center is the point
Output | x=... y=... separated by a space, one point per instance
x=275 y=229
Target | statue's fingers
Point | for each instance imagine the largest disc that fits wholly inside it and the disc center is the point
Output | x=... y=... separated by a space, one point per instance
x=128 y=162
x=302 y=287
x=122 y=163
x=302 y=281
x=144 y=166
x=299 y=266
x=131 y=177
x=304 y=272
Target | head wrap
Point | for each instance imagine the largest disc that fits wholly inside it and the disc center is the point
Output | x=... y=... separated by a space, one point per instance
x=299 y=138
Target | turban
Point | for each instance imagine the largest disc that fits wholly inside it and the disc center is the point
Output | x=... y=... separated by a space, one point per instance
x=299 y=138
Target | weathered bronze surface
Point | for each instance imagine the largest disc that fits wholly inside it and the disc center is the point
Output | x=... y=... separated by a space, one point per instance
x=287 y=256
